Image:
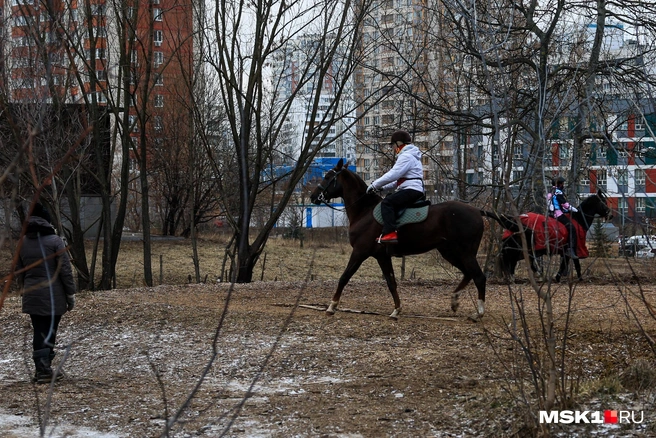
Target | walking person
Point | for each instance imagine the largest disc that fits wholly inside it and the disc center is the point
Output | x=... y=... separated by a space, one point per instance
x=406 y=177
x=48 y=287
x=562 y=206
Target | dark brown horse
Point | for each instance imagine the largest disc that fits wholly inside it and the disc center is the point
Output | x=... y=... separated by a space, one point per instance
x=545 y=235
x=453 y=228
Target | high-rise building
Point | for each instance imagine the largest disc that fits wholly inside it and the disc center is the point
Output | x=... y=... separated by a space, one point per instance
x=389 y=87
x=292 y=79
x=86 y=53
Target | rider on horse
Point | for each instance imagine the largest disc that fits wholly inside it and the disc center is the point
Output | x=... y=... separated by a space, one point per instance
x=561 y=206
x=406 y=177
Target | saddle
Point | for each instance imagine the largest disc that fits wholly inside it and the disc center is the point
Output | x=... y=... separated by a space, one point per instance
x=417 y=212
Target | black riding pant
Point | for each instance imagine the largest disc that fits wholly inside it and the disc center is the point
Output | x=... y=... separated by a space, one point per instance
x=395 y=202
x=571 y=230
x=42 y=326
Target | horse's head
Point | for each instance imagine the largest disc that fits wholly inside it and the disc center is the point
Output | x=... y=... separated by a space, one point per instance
x=330 y=187
x=597 y=205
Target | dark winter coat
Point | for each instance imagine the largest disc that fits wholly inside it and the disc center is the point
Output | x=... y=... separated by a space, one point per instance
x=41 y=240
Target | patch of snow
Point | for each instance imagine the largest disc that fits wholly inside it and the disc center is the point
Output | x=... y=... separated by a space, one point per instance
x=24 y=427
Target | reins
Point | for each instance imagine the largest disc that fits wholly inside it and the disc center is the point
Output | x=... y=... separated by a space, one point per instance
x=323 y=189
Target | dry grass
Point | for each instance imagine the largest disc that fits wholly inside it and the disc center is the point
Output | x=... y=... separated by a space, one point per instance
x=282 y=260
x=289 y=260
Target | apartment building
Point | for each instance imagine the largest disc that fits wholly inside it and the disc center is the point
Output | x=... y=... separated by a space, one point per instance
x=73 y=52
x=291 y=80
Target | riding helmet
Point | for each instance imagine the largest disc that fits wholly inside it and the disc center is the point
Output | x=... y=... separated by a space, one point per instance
x=560 y=180
x=401 y=136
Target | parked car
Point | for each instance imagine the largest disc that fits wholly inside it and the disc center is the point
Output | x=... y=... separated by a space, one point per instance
x=638 y=246
x=645 y=252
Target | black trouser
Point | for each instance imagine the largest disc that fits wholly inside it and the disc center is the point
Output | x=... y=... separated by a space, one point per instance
x=395 y=202
x=42 y=326
x=571 y=231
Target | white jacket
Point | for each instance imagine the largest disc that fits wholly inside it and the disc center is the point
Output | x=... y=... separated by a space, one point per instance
x=402 y=175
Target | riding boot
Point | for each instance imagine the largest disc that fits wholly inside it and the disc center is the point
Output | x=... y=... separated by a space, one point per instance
x=571 y=250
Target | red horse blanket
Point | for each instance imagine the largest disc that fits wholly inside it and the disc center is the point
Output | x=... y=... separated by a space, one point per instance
x=549 y=229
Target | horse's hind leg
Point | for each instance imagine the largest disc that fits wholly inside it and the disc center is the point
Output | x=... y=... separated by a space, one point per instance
x=353 y=265
x=472 y=271
x=455 y=296
x=386 y=266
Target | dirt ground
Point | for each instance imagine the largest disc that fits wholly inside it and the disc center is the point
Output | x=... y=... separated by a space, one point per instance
x=250 y=362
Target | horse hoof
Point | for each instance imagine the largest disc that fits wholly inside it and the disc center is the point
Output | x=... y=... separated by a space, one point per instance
x=332 y=307
x=454 y=307
x=395 y=314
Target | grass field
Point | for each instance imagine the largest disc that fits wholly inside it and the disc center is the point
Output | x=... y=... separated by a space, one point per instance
x=322 y=255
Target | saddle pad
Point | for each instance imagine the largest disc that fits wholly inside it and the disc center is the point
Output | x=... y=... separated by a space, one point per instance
x=410 y=215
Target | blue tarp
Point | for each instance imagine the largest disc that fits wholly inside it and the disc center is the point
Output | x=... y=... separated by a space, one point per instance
x=315 y=172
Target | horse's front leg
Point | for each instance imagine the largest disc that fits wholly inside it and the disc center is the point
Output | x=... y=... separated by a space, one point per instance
x=386 y=266
x=353 y=265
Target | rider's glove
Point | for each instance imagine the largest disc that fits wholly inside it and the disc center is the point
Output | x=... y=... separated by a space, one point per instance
x=573 y=209
x=371 y=189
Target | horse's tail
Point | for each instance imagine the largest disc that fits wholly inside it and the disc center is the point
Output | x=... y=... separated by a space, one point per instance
x=506 y=221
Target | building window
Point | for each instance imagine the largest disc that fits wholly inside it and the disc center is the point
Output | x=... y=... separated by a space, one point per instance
x=518 y=152
x=640 y=205
x=622 y=206
x=602 y=179
x=516 y=177
x=159 y=101
x=20 y=20
x=584 y=184
x=158 y=58
x=100 y=53
x=101 y=75
x=622 y=180
x=25 y=83
x=640 y=179
x=157 y=123
x=159 y=79
x=133 y=57
x=134 y=126
x=98 y=32
x=157 y=14
x=158 y=37
x=98 y=9
x=601 y=152
x=100 y=97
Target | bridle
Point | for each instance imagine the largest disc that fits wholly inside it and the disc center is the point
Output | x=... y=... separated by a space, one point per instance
x=323 y=189
x=333 y=180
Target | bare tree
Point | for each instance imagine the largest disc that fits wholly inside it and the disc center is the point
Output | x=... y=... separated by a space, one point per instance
x=247 y=39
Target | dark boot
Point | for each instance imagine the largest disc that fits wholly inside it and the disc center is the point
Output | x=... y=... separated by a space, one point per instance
x=42 y=364
x=60 y=373
x=571 y=253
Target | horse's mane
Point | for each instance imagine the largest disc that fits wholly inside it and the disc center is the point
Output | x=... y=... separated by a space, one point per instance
x=365 y=199
x=357 y=177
